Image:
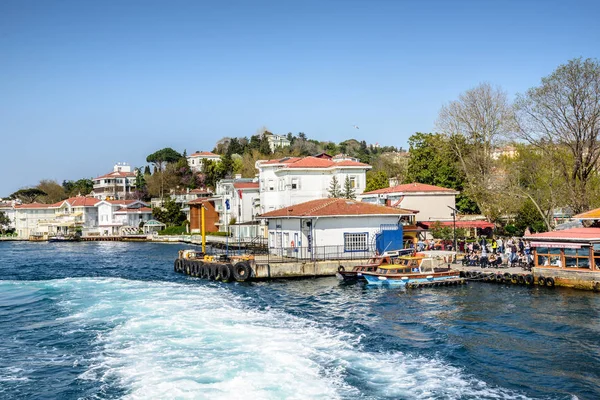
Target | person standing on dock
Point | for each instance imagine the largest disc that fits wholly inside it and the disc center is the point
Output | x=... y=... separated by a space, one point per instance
x=494 y=246
x=500 y=244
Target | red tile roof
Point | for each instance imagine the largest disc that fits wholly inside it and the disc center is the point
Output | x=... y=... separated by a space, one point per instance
x=569 y=234
x=124 y=202
x=116 y=174
x=246 y=185
x=200 y=200
x=82 y=201
x=333 y=208
x=200 y=191
x=314 y=162
x=204 y=154
x=34 y=205
x=412 y=188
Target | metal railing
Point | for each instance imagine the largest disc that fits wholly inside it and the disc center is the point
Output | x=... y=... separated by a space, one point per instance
x=274 y=255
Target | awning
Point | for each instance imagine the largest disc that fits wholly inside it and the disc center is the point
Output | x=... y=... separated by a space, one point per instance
x=459 y=224
x=556 y=245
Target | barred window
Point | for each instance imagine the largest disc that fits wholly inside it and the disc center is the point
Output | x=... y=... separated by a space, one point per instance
x=355 y=241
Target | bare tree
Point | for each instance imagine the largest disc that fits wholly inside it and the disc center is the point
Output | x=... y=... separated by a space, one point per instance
x=562 y=118
x=476 y=124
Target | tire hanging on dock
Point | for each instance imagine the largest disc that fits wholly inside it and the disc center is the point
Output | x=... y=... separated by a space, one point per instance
x=514 y=278
x=521 y=279
x=242 y=271
x=541 y=281
x=529 y=279
x=549 y=281
x=204 y=271
x=341 y=268
x=225 y=272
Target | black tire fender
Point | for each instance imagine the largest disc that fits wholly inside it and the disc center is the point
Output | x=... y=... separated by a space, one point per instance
x=341 y=268
x=541 y=281
x=521 y=279
x=529 y=279
x=242 y=271
x=225 y=272
x=550 y=281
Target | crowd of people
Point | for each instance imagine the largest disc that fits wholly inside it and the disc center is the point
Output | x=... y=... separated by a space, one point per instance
x=496 y=252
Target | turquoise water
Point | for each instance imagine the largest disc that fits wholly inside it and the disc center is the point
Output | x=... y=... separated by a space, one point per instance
x=112 y=320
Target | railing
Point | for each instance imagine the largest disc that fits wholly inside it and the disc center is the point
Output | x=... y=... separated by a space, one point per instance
x=299 y=254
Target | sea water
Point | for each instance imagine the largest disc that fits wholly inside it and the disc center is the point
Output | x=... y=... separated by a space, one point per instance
x=112 y=320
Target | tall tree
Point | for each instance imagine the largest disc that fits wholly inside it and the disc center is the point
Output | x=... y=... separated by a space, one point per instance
x=335 y=191
x=4 y=222
x=28 y=195
x=376 y=180
x=163 y=156
x=563 y=112
x=54 y=191
x=477 y=123
x=348 y=192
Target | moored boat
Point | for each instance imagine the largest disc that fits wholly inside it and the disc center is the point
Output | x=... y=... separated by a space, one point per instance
x=410 y=269
x=387 y=258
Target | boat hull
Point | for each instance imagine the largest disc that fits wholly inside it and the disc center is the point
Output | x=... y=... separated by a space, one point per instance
x=402 y=280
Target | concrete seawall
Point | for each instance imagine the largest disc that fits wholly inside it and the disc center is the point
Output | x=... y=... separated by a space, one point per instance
x=301 y=269
x=585 y=280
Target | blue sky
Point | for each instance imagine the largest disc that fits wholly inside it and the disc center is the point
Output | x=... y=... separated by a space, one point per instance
x=85 y=84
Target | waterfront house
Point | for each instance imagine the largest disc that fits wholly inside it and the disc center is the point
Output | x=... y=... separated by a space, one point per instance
x=196 y=160
x=116 y=185
x=8 y=208
x=432 y=202
x=292 y=180
x=334 y=225
x=242 y=195
x=118 y=217
x=571 y=257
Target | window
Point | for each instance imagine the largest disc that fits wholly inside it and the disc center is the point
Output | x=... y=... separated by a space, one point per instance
x=355 y=241
x=577 y=258
x=262 y=185
x=271 y=185
x=353 y=183
x=548 y=257
x=295 y=183
x=281 y=184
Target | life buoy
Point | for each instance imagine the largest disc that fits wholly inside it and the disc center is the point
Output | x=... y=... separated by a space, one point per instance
x=341 y=268
x=242 y=271
x=549 y=281
x=541 y=281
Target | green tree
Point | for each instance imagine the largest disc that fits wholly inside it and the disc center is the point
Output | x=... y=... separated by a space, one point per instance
x=28 y=195
x=377 y=180
x=147 y=170
x=334 y=190
x=54 y=191
x=170 y=213
x=445 y=232
x=163 y=156
x=4 y=222
x=434 y=162
x=348 y=192
x=140 y=180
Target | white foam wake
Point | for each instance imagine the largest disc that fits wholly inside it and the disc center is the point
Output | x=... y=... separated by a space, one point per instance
x=177 y=341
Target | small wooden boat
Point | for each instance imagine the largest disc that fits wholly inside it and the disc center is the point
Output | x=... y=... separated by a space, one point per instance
x=386 y=258
x=410 y=269
x=63 y=238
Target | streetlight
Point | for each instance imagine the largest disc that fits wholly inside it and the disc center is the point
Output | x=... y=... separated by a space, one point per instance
x=454 y=211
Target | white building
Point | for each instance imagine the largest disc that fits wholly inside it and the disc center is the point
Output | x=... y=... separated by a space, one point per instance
x=335 y=225
x=67 y=216
x=196 y=160
x=116 y=217
x=292 y=180
x=432 y=202
x=277 y=141
x=118 y=184
x=243 y=197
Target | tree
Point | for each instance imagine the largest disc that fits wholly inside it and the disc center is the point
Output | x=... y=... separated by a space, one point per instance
x=28 y=195
x=562 y=115
x=376 y=180
x=140 y=180
x=348 y=192
x=445 y=232
x=335 y=190
x=433 y=161
x=476 y=124
x=170 y=213
x=81 y=187
x=4 y=222
x=163 y=156
x=54 y=191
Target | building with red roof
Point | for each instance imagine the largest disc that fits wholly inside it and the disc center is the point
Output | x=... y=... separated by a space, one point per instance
x=434 y=203
x=291 y=180
x=118 y=184
x=196 y=160
x=331 y=224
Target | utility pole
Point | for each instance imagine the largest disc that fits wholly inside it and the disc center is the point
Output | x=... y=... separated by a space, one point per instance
x=454 y=211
